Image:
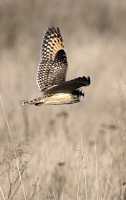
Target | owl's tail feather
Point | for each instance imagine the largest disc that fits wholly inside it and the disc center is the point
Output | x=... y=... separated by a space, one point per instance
x=37 y=101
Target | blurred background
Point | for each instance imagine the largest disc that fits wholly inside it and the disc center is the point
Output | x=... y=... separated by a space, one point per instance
x=71 y=151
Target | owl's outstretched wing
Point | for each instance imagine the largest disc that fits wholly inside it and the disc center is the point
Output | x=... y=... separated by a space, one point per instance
x=69 y=86
x=53 y=61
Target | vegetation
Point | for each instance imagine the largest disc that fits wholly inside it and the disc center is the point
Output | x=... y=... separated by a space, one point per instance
x=73 y=151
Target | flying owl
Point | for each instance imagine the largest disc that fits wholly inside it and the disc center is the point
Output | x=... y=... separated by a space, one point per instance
x=51 y=73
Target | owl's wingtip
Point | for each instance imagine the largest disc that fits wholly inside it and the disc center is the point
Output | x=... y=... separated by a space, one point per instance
x=53 y=29
x=86 y=80
x=89 y=80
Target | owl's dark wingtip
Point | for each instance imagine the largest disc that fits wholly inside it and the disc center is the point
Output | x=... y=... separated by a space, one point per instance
x=89 y=80
x=86 y=80
x=53 y=29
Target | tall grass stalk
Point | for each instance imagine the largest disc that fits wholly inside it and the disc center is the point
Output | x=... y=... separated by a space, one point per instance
x=10 y=137
x=96 y=172
x=2 y=193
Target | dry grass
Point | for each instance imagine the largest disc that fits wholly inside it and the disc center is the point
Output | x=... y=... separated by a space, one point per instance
x=63 y=152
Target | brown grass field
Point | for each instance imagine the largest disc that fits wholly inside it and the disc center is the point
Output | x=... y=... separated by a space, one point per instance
x=69 y=152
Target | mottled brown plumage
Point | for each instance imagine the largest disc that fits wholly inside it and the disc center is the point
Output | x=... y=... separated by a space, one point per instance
x=51 y=73
x=53 y=61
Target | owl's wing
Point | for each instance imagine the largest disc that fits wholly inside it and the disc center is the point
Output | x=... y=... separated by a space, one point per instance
x=53 y=60
x=69 y=86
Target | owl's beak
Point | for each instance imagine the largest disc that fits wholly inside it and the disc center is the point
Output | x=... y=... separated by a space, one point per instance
x=81 y=93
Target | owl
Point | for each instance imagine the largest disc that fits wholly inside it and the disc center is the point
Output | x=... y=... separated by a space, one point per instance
x=51 y=73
